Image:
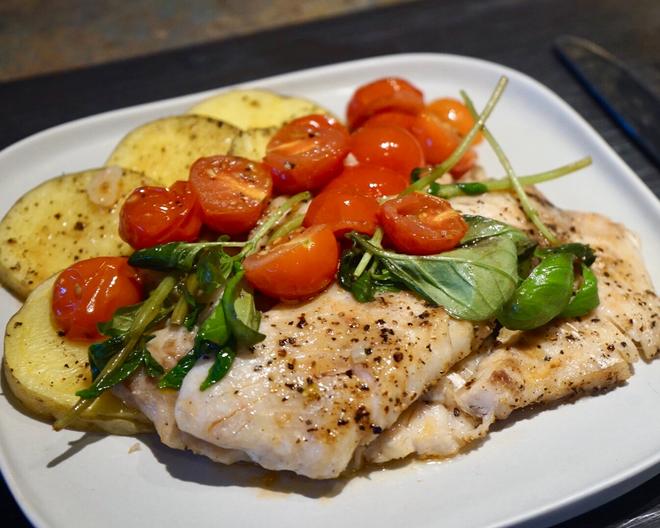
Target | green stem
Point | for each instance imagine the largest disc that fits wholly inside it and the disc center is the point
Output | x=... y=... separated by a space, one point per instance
x=180 y=310
x=376 y=239
x=290 y=225
x=142 y=320
x=451 y=190
x=448 y=164
x=271 y=221
x=526 y=205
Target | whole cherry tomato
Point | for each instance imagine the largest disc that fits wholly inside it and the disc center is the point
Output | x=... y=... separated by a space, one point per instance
x=306 y=153
x=343 y=212
x=368 y=180
x=232 y=192
x=420 y=224
x=156 y=215
x=455 y=113
x=297 y=266
x=439 y=140
x=383 y=94
x=89 y=291
x=392 y=147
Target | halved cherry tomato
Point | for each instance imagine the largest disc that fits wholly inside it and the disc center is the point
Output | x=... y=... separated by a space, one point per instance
x=439 y=140
x=89 y=291
x=343 y=212
x=306 y=153
x=368 y=180
x=384 y=94
x=455 y=113
x=391 y=147
x=420 y=224
x=232 y=192
x=297 y=266
x=156 y=215
x=392 y=118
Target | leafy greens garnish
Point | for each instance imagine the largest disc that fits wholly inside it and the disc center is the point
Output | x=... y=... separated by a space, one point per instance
x=469 y=282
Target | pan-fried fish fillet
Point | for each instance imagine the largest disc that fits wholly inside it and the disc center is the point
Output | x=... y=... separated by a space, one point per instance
x=310 y=397
x=330 y=376
x=525 y=368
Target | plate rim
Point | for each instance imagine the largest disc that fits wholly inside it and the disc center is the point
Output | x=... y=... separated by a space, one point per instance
x=573 y=505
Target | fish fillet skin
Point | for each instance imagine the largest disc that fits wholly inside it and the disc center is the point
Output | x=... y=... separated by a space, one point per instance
x=564 y=358
x=330 y=376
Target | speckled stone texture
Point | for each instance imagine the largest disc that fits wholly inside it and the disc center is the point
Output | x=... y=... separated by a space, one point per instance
x=40 y=36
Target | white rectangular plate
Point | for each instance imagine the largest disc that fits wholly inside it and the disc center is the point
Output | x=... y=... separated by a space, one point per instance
x=557 y=463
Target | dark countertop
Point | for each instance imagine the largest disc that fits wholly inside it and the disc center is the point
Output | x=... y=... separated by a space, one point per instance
x=516 y=33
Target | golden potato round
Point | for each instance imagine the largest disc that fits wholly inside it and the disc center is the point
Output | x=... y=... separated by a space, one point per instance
x=44 y=370
x=165 y=149
x=56 y=224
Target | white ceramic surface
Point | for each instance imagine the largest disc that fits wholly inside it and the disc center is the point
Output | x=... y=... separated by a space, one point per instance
x=540 y=467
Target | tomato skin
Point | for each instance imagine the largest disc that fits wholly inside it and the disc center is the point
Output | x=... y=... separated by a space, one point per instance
x=368 y=180
x=464 y=164
x=420 y=224
x=296 y=267
x=390 y=93
x=439 y=140
x=157 y=215
x=455 y=113
x=306 y=153
x=232 y=192
x=343 y=212
x=89 y=291
x=391 y=118
x=392 y=147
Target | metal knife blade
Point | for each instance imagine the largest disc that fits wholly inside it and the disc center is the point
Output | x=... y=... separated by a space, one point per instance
x=634 y=106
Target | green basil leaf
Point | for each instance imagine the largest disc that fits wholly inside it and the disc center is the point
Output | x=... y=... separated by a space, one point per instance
x=171 y=256
x=174 y=377
x=586 y=298
x=213 y=269
x=242 y=316
x=100 y=353
x=470 y=283
x=153 y=368
x=582 y=252
x=370 y=283
x=223 y=361
x=215 y=327
x=123 y=318
x=542 y=296
x=482 y=228
x=133 y=361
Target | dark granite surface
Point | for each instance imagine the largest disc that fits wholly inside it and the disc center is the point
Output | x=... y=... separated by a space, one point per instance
x=516 y=33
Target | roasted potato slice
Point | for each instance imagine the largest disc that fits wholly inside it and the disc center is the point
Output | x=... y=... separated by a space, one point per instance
x=246 y=109
x=166 y=148
x=44 y=370
x=56 y=223
x=252 y=143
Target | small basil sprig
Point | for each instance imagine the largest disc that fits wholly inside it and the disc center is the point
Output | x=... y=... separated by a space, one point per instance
x=175 y=256
x=469 y=282
x=375 y=280
x=547 y=292
x=234 y=320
